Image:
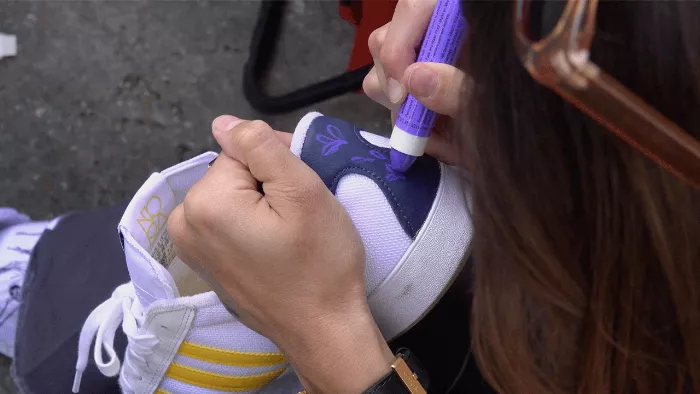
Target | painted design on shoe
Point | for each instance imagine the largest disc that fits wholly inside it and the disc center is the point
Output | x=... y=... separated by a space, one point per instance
x=331 y=142
x=20 y=250
x=152 y=218
x=390 y=175
x=29 y=234
x=14 y=289
x=375 y=155
x=410 y=195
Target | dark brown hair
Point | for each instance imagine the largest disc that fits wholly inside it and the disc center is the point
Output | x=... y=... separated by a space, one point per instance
x=587 y=255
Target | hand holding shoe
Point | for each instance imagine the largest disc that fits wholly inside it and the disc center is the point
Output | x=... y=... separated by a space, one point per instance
x=289 y=261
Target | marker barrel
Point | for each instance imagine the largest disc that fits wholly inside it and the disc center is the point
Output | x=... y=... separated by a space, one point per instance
x=414 y=122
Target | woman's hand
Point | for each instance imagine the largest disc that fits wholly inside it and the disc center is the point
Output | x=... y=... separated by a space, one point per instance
x=289 y=262
x=439 y=87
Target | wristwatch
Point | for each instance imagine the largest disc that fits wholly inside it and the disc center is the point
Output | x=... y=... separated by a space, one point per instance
x=407 y=376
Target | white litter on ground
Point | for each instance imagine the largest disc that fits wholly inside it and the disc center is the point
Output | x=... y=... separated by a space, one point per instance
x=8 y=45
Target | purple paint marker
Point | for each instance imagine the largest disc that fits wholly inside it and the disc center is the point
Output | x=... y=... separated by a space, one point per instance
x=414 y=122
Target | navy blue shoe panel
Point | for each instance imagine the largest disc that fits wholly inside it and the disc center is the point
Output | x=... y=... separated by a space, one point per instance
x=335 y=148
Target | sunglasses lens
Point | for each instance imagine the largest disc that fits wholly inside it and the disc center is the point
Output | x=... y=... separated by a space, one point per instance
x=541 y=17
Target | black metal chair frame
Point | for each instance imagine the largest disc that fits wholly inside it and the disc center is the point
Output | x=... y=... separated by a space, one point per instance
x=263 y=46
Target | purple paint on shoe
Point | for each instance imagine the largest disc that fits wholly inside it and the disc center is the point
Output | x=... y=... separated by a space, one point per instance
x=401 y=162
x=332 y=140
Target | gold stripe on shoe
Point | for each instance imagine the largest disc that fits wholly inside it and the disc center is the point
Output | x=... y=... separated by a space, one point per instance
x=214 y=381
x=230 y=357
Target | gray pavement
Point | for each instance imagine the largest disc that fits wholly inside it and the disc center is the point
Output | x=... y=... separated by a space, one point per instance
x=103 y=93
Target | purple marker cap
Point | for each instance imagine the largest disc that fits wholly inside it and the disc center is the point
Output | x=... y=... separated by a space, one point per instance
x=414 y=122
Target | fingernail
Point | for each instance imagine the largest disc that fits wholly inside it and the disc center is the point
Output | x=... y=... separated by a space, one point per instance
x=394 y=90
x=423 y=82
x=380 y=71
x=226 y=122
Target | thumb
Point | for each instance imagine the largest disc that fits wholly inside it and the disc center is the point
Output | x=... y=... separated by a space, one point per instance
x=440 y=87
x=286 y=180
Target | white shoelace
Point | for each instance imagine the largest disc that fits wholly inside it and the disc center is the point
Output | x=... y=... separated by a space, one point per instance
x=122 y=308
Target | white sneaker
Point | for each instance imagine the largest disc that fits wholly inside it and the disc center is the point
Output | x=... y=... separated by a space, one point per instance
x=415 y=229
x=17 y=241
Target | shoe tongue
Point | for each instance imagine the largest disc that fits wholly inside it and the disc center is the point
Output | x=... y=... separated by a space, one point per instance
x=147 y=246
x=143 y=228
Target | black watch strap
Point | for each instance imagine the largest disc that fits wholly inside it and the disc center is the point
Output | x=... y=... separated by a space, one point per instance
x=392 y=383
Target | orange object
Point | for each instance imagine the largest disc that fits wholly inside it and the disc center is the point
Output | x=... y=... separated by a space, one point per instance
x=560 y=62
x=367 y=16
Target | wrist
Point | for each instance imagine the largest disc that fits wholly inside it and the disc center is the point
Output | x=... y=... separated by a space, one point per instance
x=342 y=354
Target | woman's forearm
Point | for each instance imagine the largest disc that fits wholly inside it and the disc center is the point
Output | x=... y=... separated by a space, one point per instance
x=342 y=356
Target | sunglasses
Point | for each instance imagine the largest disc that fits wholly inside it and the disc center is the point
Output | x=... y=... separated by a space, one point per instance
x=558 y=58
